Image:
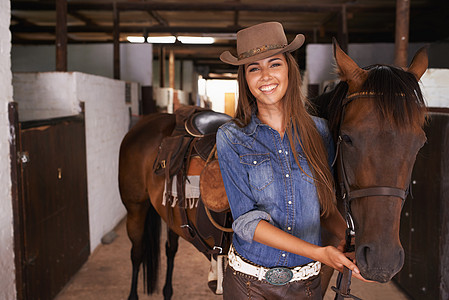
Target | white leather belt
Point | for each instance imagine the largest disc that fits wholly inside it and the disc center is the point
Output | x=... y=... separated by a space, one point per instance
x=277 y=275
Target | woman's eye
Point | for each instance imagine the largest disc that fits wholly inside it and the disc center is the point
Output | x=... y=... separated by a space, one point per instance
x=253 y=69
x=275 y=65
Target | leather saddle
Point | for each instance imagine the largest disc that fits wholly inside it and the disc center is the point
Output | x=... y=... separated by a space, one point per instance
x=194 y=133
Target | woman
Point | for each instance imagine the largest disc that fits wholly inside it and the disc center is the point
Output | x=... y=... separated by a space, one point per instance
x=277 y=193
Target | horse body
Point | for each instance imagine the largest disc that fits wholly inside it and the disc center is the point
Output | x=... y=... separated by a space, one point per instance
x=141 y=191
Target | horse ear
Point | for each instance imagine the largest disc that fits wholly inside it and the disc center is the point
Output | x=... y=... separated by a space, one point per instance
x=419 y=63
x=347 y=69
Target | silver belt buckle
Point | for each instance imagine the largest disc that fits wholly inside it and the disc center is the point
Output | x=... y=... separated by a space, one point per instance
x=279 y=276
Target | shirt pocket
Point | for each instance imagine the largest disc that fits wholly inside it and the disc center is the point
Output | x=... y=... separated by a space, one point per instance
x=259 y=168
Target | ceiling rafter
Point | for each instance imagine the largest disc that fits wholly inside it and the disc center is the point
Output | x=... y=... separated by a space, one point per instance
x=195 y=6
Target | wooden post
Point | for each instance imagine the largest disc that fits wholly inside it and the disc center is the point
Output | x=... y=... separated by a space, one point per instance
x=171 y=69
x=116 y=34
x=343 y=29
x=61 y=35
x=162 y=67
x=402 y=32
x=181 y=78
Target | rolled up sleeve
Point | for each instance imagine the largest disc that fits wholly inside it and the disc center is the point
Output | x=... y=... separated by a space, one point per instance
x=244 y=208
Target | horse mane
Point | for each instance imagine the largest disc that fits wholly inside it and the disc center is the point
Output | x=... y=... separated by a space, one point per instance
x=400 y=99
x=398 y=94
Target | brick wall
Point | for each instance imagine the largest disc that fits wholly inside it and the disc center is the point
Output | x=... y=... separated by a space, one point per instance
x=435 y=87
x=7 y=269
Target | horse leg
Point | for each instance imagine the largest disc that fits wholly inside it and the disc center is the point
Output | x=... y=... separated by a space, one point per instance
x=171 y=247
x=143 y=227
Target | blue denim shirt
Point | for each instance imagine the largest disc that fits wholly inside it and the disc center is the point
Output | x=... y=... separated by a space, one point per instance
x=263 y=182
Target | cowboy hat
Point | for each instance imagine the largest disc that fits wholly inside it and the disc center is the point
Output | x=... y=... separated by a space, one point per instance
x=261 y=41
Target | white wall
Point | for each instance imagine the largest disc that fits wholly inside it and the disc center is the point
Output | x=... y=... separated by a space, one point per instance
x=320 y=63
x=39 y=95
x=216 y=89
x=7 y=268
x=435 y=82
x=135 y=60
x=107 y=121
x=435 y=87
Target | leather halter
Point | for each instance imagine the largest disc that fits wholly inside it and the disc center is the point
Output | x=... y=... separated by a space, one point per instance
x=347 y=194
x=344 y=279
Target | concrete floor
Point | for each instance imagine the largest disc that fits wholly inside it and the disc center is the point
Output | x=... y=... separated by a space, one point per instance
x=107 y=275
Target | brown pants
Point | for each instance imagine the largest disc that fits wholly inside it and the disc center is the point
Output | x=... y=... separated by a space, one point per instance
x=239 y=286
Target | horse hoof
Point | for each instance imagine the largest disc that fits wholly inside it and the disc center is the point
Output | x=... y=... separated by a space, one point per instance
x=213 y=286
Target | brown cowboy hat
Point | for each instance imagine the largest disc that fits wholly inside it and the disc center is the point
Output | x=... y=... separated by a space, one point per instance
x=261 y=41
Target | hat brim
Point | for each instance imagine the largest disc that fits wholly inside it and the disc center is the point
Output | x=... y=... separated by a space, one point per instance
x=228 y=58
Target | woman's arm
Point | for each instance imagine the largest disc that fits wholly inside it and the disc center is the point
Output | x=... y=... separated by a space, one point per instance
x=274 y=237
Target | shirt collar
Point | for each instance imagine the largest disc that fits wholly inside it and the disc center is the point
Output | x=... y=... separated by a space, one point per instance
x=250 y=129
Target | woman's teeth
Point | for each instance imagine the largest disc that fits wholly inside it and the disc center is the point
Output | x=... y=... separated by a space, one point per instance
x=268 y=88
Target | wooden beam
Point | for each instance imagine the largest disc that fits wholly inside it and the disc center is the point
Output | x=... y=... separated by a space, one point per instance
x=202 y=6
x=89 y=22
x=171 y=69
x=116 y=36
x=61 y=35
x=155 y=15
x=343 y=29
x=402 y=32
x=162 y=67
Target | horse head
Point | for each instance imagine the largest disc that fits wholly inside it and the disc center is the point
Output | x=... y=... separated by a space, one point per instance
x=378 y=129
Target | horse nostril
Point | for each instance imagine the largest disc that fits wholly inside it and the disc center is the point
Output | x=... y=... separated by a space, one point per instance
x=362 y=256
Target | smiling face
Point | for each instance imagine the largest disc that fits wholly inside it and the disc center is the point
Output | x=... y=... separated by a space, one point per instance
x=267 y=80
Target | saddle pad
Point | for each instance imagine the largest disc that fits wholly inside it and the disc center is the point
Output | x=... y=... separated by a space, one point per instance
x=192 y=192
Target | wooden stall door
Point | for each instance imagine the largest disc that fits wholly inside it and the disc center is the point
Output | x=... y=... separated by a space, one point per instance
x=54 y=205
x=425 y=217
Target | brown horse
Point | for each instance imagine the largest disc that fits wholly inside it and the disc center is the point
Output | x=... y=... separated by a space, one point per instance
x=381 y=133
x=376 y=115
x=141 y=191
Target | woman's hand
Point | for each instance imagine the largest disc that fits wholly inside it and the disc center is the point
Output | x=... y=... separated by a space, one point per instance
x=336 y=259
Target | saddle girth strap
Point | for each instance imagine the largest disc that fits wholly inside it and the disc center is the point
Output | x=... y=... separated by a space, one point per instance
x=188 y=229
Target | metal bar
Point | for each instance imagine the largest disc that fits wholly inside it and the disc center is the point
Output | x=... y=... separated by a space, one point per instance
x=402 y=32
x=61 y=35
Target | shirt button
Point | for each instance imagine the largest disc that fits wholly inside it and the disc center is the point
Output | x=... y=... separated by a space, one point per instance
x=286 y=152
x=287 y=175
x=280 y=151
x=289 y=228
x=283 y=254
x=255 y=162
x=289 y=202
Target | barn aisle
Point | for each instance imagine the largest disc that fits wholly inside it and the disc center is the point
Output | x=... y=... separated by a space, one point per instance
x=106 y=275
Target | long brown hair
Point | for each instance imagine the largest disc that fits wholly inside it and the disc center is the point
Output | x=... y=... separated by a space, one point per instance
x=299 y=124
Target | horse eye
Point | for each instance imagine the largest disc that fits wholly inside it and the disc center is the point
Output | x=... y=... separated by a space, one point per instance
x=346 y=139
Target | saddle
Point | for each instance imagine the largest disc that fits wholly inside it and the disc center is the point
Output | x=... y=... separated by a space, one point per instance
x=194 y=136
x=195 y=128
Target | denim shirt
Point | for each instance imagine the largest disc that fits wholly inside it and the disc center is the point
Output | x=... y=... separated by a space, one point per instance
x=263 y=182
